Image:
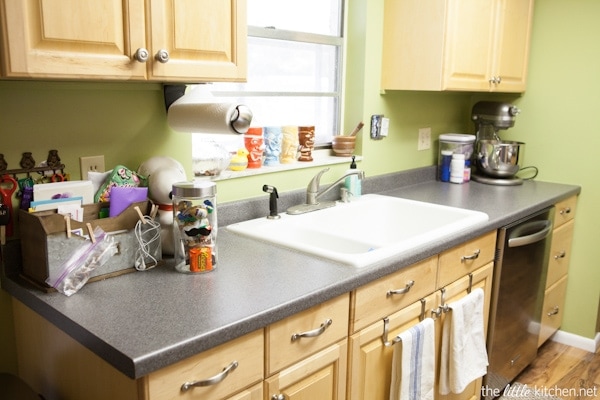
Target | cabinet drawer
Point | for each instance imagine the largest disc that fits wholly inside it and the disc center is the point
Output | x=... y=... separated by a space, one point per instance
x=247 y=351
x=564 y=211
x=305 y=333
x=463 y=259
x=560 y=252
x=552 y=310
x=389 y=294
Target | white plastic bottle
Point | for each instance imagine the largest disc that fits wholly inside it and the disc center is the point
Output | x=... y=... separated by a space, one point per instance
x=457 y=168
x=353 y=182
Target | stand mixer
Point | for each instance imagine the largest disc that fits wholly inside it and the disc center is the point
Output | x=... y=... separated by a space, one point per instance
x=497 y=161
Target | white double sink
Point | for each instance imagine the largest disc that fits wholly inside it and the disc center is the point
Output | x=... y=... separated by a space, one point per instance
x=364 y=231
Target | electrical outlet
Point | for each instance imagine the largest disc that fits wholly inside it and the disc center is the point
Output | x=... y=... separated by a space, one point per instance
x=92 y=163
x=424 y=139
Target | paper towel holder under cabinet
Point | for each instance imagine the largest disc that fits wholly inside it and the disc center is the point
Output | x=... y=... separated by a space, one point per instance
x=172 y=93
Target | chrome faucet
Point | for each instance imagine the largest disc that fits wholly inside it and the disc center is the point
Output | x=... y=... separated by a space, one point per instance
x=313 y=194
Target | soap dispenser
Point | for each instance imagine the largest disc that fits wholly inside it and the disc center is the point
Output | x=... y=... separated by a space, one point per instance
x=353 y=182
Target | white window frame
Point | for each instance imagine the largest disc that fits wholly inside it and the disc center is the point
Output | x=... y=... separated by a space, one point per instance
x=296 y=36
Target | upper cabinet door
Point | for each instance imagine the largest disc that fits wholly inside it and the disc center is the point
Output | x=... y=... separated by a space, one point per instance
x=512 y=44
x=198 y=38
x=158 y=40
x=462 y=45
x=72 y=39
x=469 y=44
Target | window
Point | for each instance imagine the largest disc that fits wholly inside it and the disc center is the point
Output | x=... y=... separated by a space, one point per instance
x=294 y=65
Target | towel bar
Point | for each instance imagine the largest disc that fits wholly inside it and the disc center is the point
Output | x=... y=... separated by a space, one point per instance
x=386 y=327
x=443 y=307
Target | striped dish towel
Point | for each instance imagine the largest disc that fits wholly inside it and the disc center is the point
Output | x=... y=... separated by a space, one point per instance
x=413 y=363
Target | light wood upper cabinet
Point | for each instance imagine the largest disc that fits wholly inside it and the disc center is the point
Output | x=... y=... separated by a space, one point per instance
x=122 y=40
x=204 y=36
x=462 y=45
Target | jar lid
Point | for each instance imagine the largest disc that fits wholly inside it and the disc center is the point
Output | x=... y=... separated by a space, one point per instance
x=457 y=137
x=202 y=188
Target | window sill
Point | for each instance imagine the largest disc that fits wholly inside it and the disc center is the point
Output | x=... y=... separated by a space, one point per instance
x=321 y=157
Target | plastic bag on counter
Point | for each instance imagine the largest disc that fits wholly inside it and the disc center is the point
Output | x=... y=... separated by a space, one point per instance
x=75 y=272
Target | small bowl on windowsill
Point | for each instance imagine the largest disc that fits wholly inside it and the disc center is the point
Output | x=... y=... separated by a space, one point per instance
x=343 y=146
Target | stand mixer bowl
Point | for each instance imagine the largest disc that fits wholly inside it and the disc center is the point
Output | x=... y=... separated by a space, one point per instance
x=498 y=158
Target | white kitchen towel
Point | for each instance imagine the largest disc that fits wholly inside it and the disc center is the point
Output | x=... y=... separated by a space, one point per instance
x=413 y=372
x=463 y=355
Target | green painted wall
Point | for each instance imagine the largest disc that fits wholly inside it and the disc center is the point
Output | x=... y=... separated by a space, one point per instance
x=126 y=123
x=558 y=123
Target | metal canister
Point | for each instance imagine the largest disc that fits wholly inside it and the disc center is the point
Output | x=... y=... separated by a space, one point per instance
x=195 y=226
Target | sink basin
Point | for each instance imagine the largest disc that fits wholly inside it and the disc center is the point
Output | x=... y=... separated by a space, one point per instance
x=364 y=231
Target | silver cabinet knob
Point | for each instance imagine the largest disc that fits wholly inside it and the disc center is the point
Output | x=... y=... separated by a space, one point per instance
x=162 y=56
x=141 y=55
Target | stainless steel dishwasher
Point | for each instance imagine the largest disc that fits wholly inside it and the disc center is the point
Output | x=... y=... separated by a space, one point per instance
x=520 y=268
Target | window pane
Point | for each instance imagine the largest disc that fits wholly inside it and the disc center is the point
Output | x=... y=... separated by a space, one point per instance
x=312 y=16
x=283 y=66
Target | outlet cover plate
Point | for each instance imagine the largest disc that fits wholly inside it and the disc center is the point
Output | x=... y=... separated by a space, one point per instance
x=424 y=139
x=91 y=163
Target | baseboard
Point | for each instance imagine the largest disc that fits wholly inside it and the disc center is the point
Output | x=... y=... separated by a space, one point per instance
x=587 y=344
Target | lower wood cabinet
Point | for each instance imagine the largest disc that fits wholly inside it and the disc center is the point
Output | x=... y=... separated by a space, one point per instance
x=213 y=374
x=252 y=393
x=306 y=353
x=558 y=268
x=334 y=350
x=481 y=278
x=321 y=376
x=552 y=310
x=370 y=360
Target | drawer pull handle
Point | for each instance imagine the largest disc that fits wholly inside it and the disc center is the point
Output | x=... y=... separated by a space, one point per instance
x=473 y=256
x=562 y=254
x=554 y=311
x=211 y=381
x=314 y=332
x=278 y=397
x=404 y=290
x=566 y=210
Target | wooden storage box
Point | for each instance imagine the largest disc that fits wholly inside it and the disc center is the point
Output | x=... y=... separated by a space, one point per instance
x=45 y=245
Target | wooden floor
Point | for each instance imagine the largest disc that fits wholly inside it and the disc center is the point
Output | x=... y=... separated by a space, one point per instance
x=572 y=371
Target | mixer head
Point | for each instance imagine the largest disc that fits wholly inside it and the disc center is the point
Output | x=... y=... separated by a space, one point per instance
x=498 y=114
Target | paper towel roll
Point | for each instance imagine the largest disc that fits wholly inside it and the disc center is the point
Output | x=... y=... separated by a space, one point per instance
x=197 y=111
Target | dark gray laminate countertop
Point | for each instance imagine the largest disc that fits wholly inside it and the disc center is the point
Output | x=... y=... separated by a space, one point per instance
x=141 y=322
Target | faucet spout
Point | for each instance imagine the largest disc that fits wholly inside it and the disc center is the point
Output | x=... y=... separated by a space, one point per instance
x=313 y=194
x=360 y=174
x=312 y=190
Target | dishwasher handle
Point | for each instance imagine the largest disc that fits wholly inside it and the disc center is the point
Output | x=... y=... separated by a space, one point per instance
x=543 y=229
